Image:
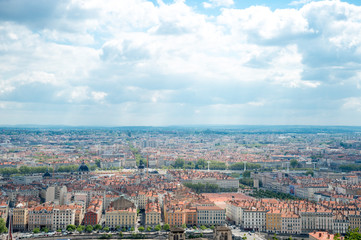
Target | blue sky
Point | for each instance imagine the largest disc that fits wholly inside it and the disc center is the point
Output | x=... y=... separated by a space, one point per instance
x=121 y=63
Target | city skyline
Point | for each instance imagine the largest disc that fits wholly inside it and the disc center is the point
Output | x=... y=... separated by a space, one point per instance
x=163 y=63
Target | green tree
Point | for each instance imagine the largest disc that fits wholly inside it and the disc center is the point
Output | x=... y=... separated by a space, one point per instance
x=157 y=228
x=179 y=163
x=184 y=225
x=203 y=227
x=212 y=227
x=89 y=228
x=201 y=164
x=80 y=228
x=132 y=229
x=246 y=174
x=166 y=227
x=309 y=172
x=117 y=227
x=293 y=163
x=97 y=227
x=121 y=234
x=70 y=228
x=97 y=162
x=353 y=234
x=149 y=229
x=36 y=230
x=106 y=229
x=45 y=229
x=274 y=237
x=3 y=228
x=141 y=228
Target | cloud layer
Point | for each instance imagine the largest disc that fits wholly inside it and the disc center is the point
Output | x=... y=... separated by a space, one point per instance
x=86 y=62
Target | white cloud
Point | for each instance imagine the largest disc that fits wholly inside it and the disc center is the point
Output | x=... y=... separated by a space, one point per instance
x=218 y=3
x=172 y=61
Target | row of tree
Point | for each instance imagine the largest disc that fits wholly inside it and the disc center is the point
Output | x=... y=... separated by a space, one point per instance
x=214 y=165
x=30 y=170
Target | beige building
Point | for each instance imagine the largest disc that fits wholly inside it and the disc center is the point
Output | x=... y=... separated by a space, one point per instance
x=211 y=215
x=273 y=221
x=40 y=216
x=121 y=212
x=63 y=215
x=20 y=217
x=152 y=214
x=123 y=218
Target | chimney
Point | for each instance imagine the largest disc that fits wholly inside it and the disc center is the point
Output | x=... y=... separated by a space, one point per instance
x=319 y=235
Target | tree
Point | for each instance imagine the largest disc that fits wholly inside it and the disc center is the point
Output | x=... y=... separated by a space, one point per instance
x=166 y=227
x=149 y=229
x=274 y=237
x=132 y=229
x=45 y=229
x=212 y=227
x=184 y=225
x=179 y=163
x=353 y=234
x=293 y=163
x=157 y=228
x=97 y=227
x=70 y=228
x=203 y=227
x=201 y=164
x=121 y=234
x=80 y=228
x=246 y=174
x=141 y=228
x=309 y=172
x=36 y=230
x=3 y=228
x=106 y=229
x=194 y=227
x=89 y=228
x=117 y=227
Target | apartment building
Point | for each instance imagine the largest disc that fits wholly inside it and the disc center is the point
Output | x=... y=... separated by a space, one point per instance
x=153 y=215
x=40 y=216
x=20 y=217
x=123 y=218
x=63 y=215
x=210 y=215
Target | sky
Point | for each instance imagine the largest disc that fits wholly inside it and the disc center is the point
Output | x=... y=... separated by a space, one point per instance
x=182 y=62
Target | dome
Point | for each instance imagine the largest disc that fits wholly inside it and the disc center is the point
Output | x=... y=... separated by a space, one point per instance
x=47 y=175
x=83 y=168
x=141 y=166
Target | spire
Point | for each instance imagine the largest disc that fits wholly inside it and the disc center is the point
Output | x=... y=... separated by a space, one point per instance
x=10 y=230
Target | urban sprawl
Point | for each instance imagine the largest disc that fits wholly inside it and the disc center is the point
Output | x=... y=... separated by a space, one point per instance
x=267 y=181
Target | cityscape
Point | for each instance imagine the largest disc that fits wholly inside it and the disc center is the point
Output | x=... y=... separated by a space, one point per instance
x=142 y=182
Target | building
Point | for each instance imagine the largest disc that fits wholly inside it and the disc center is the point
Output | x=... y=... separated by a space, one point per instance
x=273 y=221
x=210 y=215
x=254 y=219
x=322 y=236
x=93 y=213
x=123 y=218
x=122 y=212
x=63 y=215
x=20 y=217
x=153 y=214
x=40 y=217
x=290 y=223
